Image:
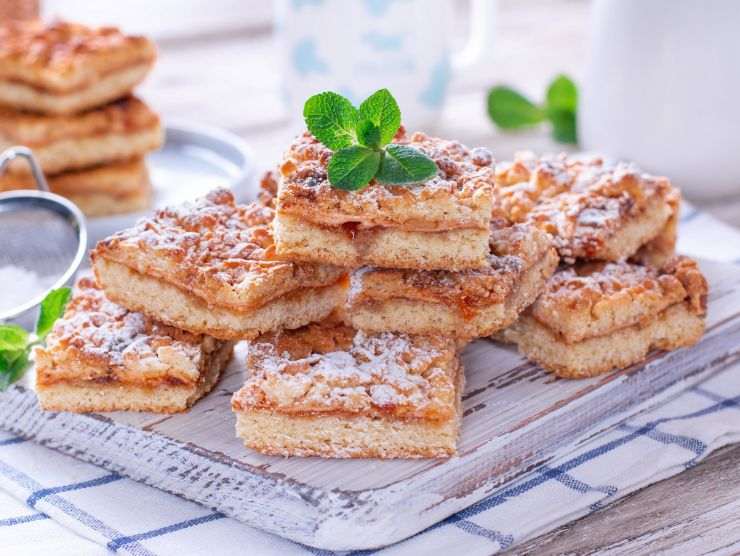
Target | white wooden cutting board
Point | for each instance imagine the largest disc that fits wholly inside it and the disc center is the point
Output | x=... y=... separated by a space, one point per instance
x=516 y=417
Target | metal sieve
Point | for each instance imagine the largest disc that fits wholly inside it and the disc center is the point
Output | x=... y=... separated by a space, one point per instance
x=43 y=239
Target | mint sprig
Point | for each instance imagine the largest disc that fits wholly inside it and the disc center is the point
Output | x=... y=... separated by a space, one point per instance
x=16 y=343
x=361 y=141
x=510 y=109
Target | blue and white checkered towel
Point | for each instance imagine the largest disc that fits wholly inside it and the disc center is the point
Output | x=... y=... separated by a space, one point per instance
x=53 y=504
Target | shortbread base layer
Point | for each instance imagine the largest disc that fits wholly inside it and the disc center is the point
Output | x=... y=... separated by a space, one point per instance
x=344 y=437
x=459 y=249
x=174 y=306
x=660 y=249
x=675 y=327
x=85 y=152
x=88 y=397
x=105 y=204
x=354 y=436
x=114 y=85
x=430 y=318
x=117 y=188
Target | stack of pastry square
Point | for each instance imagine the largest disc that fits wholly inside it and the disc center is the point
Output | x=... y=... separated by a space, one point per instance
x=620 y=291
x=428 y=273
x=356 y=304
x=102 y=357
x=65 y=92
x=155 y=328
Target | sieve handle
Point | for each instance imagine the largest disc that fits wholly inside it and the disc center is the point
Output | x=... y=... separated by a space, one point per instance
x=24 y=152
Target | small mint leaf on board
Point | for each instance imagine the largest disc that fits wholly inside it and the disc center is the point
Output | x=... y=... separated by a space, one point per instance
x=562 y=94
x=368 y=134
x=510 y=109
x=8 y=357
x=12 y=367
x=52 y=307
x=353 y=167
x=332 y=119
x=563 y=125
x=403 y=164
x=382 y=110
x=12 y=337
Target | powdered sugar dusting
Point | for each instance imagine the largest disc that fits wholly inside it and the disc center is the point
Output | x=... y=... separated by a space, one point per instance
x=215 y=248
x=96 y=328
x=387 y=372
x=609 y=291
x=579 y=202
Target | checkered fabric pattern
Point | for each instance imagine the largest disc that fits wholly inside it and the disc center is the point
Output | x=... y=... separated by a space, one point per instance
x=53 y=504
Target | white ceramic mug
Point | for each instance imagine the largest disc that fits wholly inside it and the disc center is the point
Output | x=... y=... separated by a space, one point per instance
x=355 y=47
x=662 y=89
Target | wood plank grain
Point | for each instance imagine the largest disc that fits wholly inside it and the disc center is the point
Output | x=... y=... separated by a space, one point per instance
x=695 y=512
x=517 y=417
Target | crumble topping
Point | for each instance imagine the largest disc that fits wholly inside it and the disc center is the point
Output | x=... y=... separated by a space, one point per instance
x=618 y=293
x=216 y=249
x=268 y=189
x=121 y=342
x=330 y=367
x=579 y=202
x=61 y=47
x=462 y=186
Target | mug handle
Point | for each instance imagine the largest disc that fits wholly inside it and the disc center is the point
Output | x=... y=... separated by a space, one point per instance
x=483 y=19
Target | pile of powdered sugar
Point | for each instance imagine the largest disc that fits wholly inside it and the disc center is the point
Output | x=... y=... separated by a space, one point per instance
x=19 y=285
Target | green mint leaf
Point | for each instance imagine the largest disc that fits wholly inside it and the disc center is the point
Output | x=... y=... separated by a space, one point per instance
x=562 y=94
x=352 y=168
x=510 y=110
x=52 y=307
x=368 y=134
x=8 y=357
x=563 y=125
x=12 y=367
x=382 y=110
x=403 y=164
x=332 y=119
x=12 y=337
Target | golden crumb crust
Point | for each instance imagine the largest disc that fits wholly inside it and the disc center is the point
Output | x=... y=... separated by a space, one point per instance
x=331 y=369
x=662 y=248
x=116 y=188
x=592 y=299
x=121 y=117
x=99 y=342
x=593 y=210
x=458 y=196
x=267 y=193
x=513 y=250
x=62 y=57
x=115 y=179
x=216 y=250
x=177 y=307
x=596 y=317
x=107 y=204
x=675 y=327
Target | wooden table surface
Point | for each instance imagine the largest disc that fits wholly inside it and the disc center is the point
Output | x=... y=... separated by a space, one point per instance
x=230 y=78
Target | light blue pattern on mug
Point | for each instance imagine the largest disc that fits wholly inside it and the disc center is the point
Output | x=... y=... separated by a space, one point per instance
x=377 y=7
x=433 y=94
x=383 y=41
x=305 y=58
x=298 y=4
x=347 y=92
